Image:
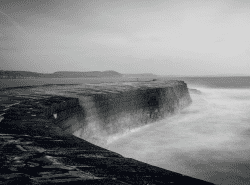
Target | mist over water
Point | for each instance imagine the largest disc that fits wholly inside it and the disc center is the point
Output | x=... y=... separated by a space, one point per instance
x=209 y=140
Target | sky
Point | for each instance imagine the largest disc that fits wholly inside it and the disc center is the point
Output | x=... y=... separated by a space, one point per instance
x=164 y=37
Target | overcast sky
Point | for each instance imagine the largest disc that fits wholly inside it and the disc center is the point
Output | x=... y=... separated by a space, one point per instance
x=164 y=37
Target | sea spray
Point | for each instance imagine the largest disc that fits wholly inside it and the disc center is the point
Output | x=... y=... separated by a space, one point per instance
x=208 y=140
x=106 y=115
x=96 y=132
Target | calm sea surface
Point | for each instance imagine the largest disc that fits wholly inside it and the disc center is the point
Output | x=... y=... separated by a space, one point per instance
x=209 y=140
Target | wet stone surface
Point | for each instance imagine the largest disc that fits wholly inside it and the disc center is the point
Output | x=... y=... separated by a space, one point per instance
x=33 y=150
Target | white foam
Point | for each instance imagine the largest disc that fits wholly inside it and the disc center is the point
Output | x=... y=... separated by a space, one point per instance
x=212 y=132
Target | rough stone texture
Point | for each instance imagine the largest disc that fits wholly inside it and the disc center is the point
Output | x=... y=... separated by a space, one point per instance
x=111 y=108
x=34 y=150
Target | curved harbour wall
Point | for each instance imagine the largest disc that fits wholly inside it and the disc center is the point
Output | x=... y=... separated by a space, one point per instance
x=37 y=145
x=114 y=108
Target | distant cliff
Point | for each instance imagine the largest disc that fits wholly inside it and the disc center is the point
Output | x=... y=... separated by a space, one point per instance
x=22 y=74
x=74 y=74
x=71 y=74
x=59 y=74
x=142 y=75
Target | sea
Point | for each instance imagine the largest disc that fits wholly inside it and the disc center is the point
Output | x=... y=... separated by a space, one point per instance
x=209 y=140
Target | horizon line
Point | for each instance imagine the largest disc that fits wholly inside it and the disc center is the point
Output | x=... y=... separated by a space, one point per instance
x=165 y=75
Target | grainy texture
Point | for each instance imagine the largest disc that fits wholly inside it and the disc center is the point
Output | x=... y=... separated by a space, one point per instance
x=34 y=150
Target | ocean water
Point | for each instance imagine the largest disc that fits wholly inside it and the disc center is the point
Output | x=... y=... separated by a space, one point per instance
x=209 y=140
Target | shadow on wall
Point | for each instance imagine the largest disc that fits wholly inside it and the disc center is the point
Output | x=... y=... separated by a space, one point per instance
x=103 y=115
x=111 y=108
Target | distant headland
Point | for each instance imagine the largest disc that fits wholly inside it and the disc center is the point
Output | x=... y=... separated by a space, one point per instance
x=68 y=74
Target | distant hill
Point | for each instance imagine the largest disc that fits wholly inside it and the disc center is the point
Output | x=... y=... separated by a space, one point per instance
x=58 y=74
x=74 y=74
x=22 y=74
x=142 y=75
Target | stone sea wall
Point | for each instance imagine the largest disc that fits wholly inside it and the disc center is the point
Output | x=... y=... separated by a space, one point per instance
x=37 y=145
x=114 y=108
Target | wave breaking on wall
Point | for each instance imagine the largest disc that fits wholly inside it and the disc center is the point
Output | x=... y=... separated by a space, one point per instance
x=109 y=110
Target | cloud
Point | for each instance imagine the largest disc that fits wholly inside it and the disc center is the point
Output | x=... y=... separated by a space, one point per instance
x=2 y=38
x=8 y=48
x=219 y=40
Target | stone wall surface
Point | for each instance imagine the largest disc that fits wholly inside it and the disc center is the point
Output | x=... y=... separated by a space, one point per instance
x=111 y=108
x=37 y=145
